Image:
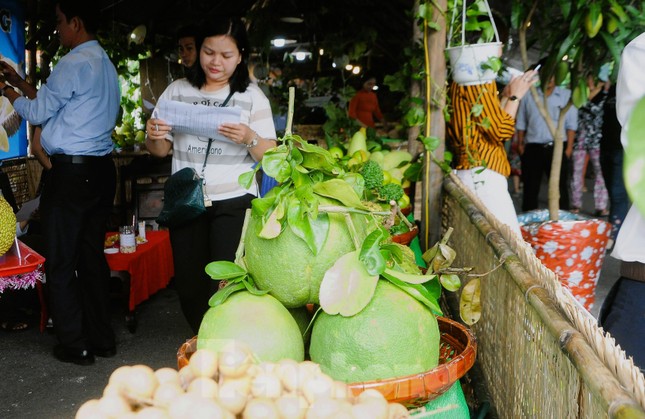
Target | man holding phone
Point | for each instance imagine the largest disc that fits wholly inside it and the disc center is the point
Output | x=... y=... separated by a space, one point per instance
x=535 y=142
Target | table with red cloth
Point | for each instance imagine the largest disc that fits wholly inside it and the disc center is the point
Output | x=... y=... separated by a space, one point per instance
x=150 y=268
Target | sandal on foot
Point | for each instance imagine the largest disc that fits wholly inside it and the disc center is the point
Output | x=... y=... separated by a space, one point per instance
x=11 y=326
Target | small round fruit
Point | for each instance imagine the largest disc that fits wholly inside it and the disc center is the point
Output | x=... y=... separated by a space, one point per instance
x=141 y=382
x=89 y=410
x=167 y=375
x=267 y=386
x=204 y=363
x=397 y=411
x=113 y=406
x=166 y=393
x=232 y=397
x=234 y=360
x=204 y=386
x=404 y=201
x=292 y=406
x=260 y=408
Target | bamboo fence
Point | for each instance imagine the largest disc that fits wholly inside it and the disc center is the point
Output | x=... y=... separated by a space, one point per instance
x=541 y=353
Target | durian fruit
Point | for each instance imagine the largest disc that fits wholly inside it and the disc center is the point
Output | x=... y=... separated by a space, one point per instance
x=7 y=226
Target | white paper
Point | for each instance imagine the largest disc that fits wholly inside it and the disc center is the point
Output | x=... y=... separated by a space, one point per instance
x=200 y=120
x=27 y=209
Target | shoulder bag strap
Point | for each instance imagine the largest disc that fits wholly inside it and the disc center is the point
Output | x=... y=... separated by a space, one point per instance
x=210 y=140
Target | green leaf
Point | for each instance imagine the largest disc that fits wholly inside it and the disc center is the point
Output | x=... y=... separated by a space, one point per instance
x=310 y=228
x=434 y=288
x=370 y=253
x=272 y=227
x=246 y=179
x=224 y=269
x=419 y=293
x=409 y=278
x=275 y=163
x=451 y=282
x=250 y=287
x=347 y=287
x=341 y=191
x=220 y=296
x=470 y=309
x=431 y=143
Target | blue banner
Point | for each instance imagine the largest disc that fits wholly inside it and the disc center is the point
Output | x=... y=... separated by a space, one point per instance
x=13 y=131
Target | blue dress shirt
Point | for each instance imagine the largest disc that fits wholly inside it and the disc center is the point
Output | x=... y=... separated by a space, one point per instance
x=78 y=105
x=530 y=120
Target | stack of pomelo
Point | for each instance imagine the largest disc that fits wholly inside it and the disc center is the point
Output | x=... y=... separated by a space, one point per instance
x=393 y=335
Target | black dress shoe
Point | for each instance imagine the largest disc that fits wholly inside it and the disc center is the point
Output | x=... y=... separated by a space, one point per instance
x=104 y=353
x=75 y=356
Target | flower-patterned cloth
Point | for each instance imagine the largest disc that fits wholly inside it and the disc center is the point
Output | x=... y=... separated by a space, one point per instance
x=573 y=247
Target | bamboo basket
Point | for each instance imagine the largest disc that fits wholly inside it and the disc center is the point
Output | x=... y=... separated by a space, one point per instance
x=541 y=354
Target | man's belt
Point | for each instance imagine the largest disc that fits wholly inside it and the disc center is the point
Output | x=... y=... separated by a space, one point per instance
x=76 y=159
x=633 y=270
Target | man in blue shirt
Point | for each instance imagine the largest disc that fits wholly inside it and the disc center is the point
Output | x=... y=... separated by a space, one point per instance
x=536 y=143
x=77 y=108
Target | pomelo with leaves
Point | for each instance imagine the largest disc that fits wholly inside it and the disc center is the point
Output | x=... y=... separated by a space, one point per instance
x=394 y=335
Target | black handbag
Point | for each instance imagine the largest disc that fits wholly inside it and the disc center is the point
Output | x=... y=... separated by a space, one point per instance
x=183 y=193
x=183 y=198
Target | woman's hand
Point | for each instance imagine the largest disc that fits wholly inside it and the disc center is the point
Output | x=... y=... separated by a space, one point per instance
x=156 y=129
x=238 y=133
x=519 y=85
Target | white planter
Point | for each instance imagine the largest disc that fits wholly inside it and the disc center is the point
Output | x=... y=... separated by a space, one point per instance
x=466 y=62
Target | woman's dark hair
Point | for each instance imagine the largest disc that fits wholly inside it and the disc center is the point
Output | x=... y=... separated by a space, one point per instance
x=234 y=28
x=85 y=10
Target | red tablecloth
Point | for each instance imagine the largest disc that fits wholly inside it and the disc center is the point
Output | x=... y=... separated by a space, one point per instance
x=150 y=267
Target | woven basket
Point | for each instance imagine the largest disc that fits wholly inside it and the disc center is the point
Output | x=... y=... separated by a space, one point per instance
x=457 y=355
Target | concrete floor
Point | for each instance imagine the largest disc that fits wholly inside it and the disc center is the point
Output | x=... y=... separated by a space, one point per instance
x=35 y=385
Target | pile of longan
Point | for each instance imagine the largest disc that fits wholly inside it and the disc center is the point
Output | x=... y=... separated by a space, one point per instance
x=230 y=384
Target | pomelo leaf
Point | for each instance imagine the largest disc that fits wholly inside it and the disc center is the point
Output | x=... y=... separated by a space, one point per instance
x=434 y=288
x=261 y=206
x=370 y=253
x=313 y=231
x=250 y=287
x=409 y=278
x=276 y=164
x=224 y=269
x=451 y=282
x=470 y=309
x=341 y=191
x=347 y=287
x=246 y=179
x=220 y=296
x=272 y=227
x=418 y=292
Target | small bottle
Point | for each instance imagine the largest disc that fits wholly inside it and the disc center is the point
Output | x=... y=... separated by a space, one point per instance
x=142 y=231
x=127 y=242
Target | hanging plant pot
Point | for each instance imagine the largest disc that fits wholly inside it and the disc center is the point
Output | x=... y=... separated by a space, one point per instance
x=573 y=247
x=467 y=61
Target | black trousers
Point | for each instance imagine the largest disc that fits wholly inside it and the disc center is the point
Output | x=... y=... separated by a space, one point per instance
x=536 y=163
x=213 y=236
x=623 y=315
x=76 y=204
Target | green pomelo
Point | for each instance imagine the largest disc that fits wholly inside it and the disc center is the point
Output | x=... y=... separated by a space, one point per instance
x=288 y=269
x=261 y=322
x=394 y=336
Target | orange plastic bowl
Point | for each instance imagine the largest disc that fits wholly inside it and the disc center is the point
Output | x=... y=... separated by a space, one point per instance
x=406 y=238
x=457 y=355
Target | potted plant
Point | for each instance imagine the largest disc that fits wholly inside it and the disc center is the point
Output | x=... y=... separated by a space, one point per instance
x=473 y=42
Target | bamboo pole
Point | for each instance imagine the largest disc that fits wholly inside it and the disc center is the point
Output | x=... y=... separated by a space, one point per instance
x=435 y=64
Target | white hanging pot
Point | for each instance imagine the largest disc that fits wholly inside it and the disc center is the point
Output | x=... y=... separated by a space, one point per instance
x=466 y=60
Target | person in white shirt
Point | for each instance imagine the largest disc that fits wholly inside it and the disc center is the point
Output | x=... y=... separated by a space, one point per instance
x=219 y=77
x=623 y=311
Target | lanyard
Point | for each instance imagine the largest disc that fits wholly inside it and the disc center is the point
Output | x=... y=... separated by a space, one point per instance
x=210 y=140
